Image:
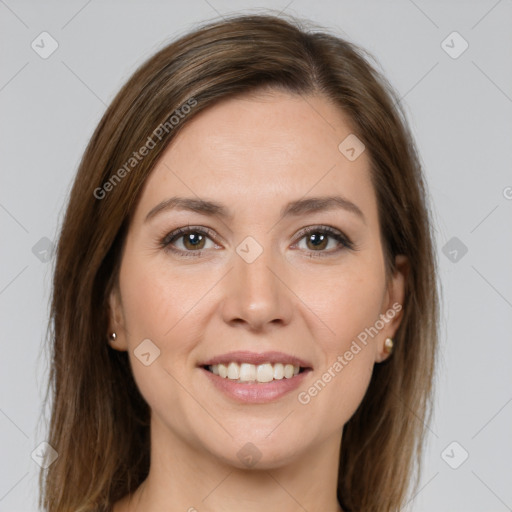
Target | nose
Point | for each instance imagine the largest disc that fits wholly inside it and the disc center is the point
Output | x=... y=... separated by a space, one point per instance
x=256 y=294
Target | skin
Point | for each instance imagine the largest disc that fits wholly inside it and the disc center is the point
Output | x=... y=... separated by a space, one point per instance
x=253 y=154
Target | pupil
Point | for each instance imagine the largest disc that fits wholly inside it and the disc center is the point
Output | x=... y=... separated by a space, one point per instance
x=317 y=239
x=194 y=239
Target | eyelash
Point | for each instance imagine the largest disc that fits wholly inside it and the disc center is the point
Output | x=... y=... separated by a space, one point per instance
x=345 y=242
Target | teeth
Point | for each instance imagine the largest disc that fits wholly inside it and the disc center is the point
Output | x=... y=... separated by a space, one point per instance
x=223 y=370
x=233 y=371
x=278 y=371
x=264 y=373
x=288 y=371
x=246 y=372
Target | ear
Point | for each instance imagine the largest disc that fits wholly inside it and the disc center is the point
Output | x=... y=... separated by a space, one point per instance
x=392 y=307
x=116 y=321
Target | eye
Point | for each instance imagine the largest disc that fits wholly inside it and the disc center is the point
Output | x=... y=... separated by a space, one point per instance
x=318 y=237
x=193 y=240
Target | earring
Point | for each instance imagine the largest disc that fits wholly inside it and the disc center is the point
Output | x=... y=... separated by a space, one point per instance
x=113 y=336
x=388 y=346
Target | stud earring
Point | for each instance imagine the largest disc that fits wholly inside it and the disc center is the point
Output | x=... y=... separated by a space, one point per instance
x=113 y=336
x=388 y=346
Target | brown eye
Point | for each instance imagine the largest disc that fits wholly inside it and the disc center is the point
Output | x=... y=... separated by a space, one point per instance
x=318 y=241
x=187 y=241
x=193 y=240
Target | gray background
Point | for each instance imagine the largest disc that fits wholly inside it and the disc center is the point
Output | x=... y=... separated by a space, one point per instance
x=460 y=112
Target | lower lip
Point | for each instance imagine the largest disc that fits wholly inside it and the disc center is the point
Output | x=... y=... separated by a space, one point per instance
x=256 y=393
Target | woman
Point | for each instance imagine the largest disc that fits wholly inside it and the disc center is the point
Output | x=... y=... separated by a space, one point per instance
x=244 y=310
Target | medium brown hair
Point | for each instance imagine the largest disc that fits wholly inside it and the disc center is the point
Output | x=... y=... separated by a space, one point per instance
x=99 y=421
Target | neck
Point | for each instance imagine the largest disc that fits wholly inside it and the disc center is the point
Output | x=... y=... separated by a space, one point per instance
x=185 y=478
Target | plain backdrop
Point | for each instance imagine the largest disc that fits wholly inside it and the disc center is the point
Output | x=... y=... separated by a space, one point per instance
x=457 y=92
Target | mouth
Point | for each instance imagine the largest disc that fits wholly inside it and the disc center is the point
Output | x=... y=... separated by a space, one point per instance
x=249 y=377
x=253 y=367
x=251 y=373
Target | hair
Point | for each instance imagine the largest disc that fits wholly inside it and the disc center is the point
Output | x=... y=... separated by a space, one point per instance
x=99 y=422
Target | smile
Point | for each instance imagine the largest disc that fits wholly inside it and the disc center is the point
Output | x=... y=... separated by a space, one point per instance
x=247 y=372
x=256 y=378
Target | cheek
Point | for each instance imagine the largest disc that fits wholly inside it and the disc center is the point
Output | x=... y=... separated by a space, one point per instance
x=348 y=357
x=157 y=299
x=341 y=388
x=168 y=307
x=351 y=302
x=159 y=305
x=147 y=303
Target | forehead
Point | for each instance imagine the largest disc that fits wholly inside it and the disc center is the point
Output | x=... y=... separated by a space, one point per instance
x=267 y=149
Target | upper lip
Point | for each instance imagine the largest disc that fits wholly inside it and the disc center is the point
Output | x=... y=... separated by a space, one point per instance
x=255 y=358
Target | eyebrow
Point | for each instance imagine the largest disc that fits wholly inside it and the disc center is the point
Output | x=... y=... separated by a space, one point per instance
x=292 y=209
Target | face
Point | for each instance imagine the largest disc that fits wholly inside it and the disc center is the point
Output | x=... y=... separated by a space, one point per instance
x=258 y=273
